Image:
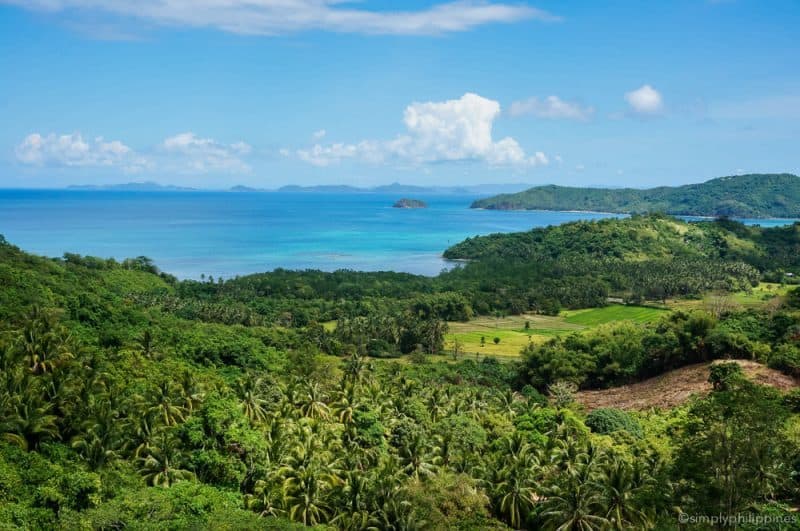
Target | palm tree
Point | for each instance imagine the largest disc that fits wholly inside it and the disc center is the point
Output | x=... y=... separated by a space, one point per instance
x=165 y=408
x=102 y=437
x=253 y=402
x=26 y=418
x=346 y=405
x=191 y=390
x=146 y=344
x=266 y=499
x=312 y=402
x=508 y=401
x=437 y=402
x=574 y=508
x=353 y=495
x=621 y=483
x=305 y=494
x=43 y=342
x=514 y=480
x=574 y=500
x=417 y=458
x=356 y=369
x=29 y=424
x=161 y=462
x=517 y=495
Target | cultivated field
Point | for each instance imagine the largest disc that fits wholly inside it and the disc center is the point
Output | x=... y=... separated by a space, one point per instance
x=514 y=335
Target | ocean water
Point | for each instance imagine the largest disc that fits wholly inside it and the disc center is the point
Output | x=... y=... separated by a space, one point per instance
x=227 y=234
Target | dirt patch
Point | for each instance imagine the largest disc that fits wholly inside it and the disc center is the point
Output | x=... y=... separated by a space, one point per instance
x=675 y=387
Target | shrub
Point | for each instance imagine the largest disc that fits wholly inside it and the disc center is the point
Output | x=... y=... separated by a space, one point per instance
x=721 y=375
x=792 y=400
x=609 y=420
x=378 y=348
x=786 y=359
x=562 y=393
x=793 y=298
x=533 y=395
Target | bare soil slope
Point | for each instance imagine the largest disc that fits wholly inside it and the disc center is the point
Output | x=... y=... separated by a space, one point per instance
x=675 y=387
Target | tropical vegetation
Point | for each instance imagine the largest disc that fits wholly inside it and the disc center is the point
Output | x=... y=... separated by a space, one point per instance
x=132 y=400
x=742 y=196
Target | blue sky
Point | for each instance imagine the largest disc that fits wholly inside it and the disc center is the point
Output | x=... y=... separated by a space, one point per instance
x=266 y=93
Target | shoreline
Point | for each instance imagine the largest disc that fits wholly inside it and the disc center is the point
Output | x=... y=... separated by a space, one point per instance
x=734 y=218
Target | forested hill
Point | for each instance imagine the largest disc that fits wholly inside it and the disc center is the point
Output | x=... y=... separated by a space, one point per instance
x=132 y=400
x=742 y=196
x=641 y=239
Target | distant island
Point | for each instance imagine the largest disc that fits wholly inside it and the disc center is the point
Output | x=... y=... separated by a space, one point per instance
x=397 y=188
x=147 y=186
x=242 y=188
x=410 y=203
x=740 y=196
x=394 y=188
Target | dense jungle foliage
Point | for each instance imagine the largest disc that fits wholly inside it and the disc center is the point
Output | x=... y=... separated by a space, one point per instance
x=742 y=196
x=132 y=400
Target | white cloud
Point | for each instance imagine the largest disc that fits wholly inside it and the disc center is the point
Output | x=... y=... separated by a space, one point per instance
x=184 y=152
x=72 y=150
x=645 y=100
x=188 y=152
x=271 y=17
x=319 y=135
x=452 y=130
x=550 y=107
x=320 y=155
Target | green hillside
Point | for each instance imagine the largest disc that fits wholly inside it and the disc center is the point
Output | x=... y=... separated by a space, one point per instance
x=742 y=196
x=132 y=400
x=635 y=238
x=651 y=257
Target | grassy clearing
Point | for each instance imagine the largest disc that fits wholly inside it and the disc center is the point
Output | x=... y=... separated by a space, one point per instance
x=514 y=336
x=613 y=313
x=511 y=331
x=762 y=295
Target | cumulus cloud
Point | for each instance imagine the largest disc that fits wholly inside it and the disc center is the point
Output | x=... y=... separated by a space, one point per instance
x=184 y=152
x=452 y=130
x=645 y=100
x=72 y=150
x=191 y=153
x=271 y=17
x=319 y=135
x=325 y=155
x=550 y=107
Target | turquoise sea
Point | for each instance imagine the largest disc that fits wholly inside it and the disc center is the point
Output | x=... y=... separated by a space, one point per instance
x=227 y=234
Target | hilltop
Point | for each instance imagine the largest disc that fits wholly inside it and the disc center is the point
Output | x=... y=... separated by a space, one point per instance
x=742 y=196
x=631 y=239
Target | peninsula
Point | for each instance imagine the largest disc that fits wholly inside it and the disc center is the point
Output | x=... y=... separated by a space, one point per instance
x=740 y=196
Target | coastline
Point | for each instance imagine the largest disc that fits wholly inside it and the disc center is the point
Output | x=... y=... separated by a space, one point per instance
x=543 y=210
x=600 y=212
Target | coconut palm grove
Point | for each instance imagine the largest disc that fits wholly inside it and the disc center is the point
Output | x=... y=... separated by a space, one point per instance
x=130 y=399
x=399 y=265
